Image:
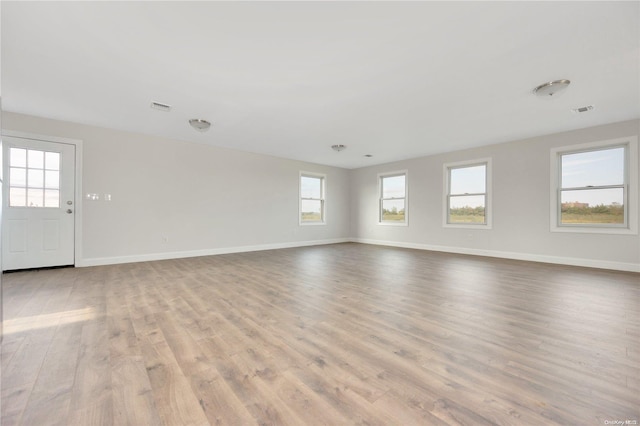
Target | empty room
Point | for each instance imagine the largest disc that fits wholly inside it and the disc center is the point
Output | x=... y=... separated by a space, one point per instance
x=320 y=213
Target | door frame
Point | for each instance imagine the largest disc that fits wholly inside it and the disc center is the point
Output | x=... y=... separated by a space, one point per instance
x=77 y=226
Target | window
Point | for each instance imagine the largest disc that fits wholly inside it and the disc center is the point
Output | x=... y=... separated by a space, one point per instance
x=393 y=198
x=467 y=194
x=34 y=178
x=591 y=187
x=312 y=199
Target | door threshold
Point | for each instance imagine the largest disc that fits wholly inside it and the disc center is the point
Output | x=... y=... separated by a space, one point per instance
x=42 y=268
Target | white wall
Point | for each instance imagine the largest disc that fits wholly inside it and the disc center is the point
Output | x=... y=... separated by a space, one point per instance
x=521 y=228
x=204 y=199
x=162 y=187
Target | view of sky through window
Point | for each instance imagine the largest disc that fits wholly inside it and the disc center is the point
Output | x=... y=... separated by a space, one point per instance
x=311 y=199
x=393 y=187
x=393 y=198
x=594 y=168
x=311 y=187
x=468 y=180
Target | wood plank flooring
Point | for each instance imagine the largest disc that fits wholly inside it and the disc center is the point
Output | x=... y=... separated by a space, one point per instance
x=336 y=334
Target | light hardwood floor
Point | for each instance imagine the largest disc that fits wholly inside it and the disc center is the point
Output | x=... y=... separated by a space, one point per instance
x=337 y=334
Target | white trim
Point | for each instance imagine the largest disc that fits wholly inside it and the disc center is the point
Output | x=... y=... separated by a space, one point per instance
x=632 y=186
x=323 y=189
x=530 y=257
x=404 y=172
x=38 y=137
x=98 y=261
x=488 y=191
x=78 y=182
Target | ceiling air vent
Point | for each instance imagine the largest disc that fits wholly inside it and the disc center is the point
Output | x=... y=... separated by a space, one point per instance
x=583 y=109
x=161 y=107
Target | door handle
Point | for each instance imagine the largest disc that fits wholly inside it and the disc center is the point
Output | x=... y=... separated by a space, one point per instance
x=69 y=211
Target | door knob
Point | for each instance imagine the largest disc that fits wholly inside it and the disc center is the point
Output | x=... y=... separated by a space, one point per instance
x=69 y=211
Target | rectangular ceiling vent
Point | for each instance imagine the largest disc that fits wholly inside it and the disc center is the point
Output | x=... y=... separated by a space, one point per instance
x=161 y=107
x=583 y=109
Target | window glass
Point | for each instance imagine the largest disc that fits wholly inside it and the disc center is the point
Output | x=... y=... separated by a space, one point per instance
x=35 y=197
x=35 y=159
x=52 y=179
x=393 y=186
x=593 y=206
x=30 y=172
x=468 y=180
x=311 y=199
x=18 y=177
x=52 y=160
x=467 y=197
x=393 y=198
x=18 y=157
x=592 y=187
x=594 y=168
x=311 y=187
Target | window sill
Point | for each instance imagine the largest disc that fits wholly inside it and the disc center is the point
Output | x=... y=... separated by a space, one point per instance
x=312 y=223
x=466 y=226
x=393 y=224
x=594 y=230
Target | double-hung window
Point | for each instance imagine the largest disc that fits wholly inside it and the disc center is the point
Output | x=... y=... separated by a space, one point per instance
x=312 y=205
x=467 y=194
x=593 y=187
x=393 y=198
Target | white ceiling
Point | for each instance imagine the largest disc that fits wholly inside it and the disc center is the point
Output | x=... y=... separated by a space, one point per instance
x=393 y=79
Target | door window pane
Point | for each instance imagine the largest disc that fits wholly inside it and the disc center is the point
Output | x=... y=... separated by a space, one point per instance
x=52 y=179
x=35 y=178
x=35 y=159
x=35 y=197
x=51 y=198
x=52 y=160
x=30 y=172
x=18 y=157
x=17 y=197
x=17 y=177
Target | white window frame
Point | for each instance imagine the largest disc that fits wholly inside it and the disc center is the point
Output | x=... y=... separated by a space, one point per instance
x=381 y=176
x=488 y=194
x=630 y=187
x=322 y=199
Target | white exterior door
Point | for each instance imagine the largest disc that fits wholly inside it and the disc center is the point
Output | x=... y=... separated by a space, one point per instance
x=38 y=203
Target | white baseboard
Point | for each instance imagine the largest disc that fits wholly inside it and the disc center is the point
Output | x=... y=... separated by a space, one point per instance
x=98 y=261
x=573 y=261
